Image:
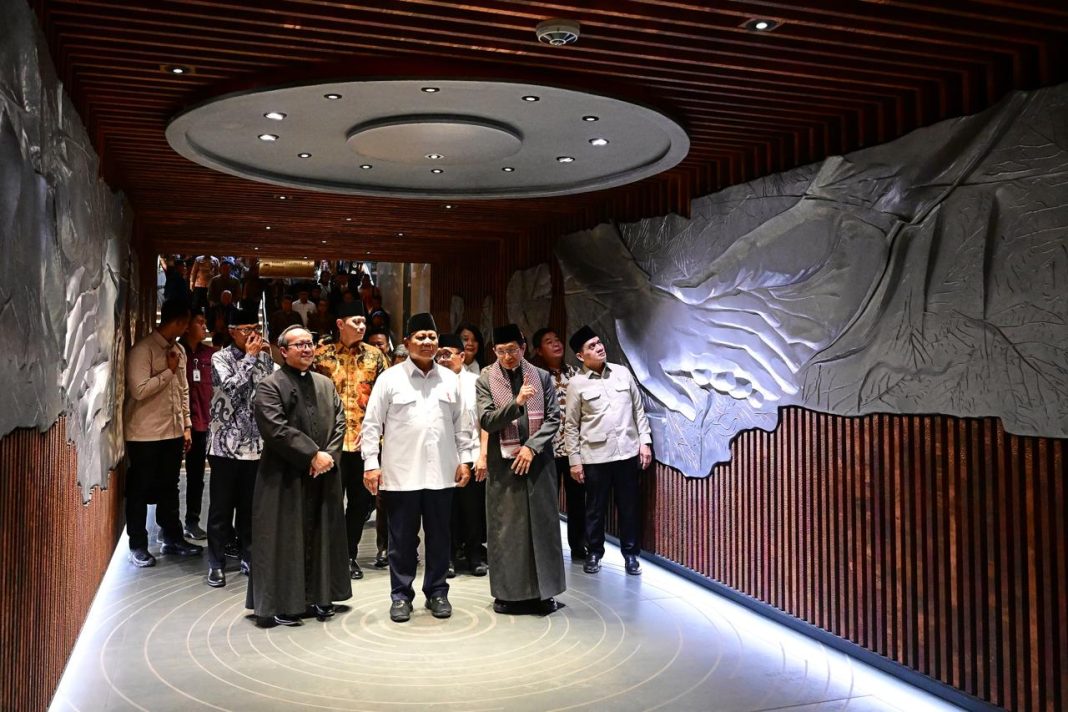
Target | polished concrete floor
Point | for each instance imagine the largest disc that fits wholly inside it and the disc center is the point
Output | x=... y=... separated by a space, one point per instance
x=161 y=639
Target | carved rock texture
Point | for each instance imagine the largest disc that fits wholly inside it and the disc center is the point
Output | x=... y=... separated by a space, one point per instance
x=63 y=274
x=926 y=275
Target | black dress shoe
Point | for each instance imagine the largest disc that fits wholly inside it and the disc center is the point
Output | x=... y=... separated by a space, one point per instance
x=480 y=569
x=632 y=566
x=400 y=611
x=216 y=578
x=439 y=606
x=381 y=560
x=181 y=548
x=549 y=605
x=451 y=572
x=193 y=531
x=141 y=558
x=287 y=619
x=355 y=572
x=246 y=567
x=505 y=607
x=322 y=611
x=593 y=564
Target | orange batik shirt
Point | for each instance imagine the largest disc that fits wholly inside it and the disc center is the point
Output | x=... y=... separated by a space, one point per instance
x=354 y=371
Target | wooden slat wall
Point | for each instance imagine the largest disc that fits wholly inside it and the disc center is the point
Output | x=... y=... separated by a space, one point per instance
x=937 y=542
x=54 y=551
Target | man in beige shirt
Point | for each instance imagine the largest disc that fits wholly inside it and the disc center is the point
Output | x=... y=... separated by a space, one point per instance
x=608 y=440
x=158 y=431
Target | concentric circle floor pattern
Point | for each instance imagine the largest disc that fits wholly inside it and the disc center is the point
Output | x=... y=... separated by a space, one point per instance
x=161 y=639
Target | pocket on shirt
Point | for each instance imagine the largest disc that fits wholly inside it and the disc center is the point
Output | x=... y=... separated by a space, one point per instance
x=403 y=407
x=594 y=403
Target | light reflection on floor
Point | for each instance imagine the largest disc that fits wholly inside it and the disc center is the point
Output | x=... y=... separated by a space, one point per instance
x=160 y=639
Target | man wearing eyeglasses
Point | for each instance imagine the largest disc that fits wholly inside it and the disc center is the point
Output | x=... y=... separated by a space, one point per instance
x=517 y=406
x=416 y=406
x=299 y=555
x=353 y=366
x=607 y=437
x=234 y=444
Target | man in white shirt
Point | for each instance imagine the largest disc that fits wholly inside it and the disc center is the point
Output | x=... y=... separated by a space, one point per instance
x=608 y=439
x=417 y=406
x=302 y=306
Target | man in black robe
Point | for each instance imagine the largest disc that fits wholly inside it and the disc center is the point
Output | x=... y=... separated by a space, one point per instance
x=298 y=523
x=518 y=407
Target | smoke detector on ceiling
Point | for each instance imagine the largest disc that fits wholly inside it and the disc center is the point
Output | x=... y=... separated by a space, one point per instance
x=557 y=32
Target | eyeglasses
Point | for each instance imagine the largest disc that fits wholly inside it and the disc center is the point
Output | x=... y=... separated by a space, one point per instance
x=302 y=345
x=445 y=355
x=507 y=352
x=246 y=330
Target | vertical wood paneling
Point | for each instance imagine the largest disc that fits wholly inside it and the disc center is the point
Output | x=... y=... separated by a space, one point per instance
x=937 y=542
x=54 y=551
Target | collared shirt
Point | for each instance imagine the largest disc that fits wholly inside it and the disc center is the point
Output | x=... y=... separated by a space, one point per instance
x=305 y=310
x=604 y=420
x=198 y=376
x=469 y=402
x=157 y=399
x=473 y=367
x=415 y=420
x=354 y=370
x=560 y=380
x=233 y=432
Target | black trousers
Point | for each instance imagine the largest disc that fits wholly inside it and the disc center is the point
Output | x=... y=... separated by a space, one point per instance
x=232 y=484
x=621 y=477
x=406 y=510
x=381 y=524
x=194 y=476
x=200 y=298
x=359 y=503
x=575 y=499
x=153 y=477
x=469 y=520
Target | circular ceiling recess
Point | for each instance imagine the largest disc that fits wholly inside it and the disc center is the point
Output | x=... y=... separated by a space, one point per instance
x=430 y=138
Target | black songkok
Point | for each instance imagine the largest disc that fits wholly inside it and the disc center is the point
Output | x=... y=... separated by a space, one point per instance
x=421 y=322
x=243 y=316
x=450 y=341
x=580 y=337
x=347 y=309
x=507 y=334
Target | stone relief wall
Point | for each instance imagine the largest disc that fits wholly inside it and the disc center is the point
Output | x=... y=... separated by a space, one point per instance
x=926 y=275
x=530 y=297
x=63 y=276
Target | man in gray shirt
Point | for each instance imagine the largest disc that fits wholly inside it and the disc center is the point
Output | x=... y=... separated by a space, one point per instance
x=607 y=438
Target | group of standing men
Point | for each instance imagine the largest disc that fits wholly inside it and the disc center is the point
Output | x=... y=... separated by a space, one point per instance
x=335 y=425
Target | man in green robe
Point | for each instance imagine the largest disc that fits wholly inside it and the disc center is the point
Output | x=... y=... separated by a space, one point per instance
x=517 y=406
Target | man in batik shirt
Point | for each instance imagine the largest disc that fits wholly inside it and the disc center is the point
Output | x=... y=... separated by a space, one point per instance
x=353 y=366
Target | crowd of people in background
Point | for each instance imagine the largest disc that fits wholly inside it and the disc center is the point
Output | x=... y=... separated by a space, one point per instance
x=321 y=421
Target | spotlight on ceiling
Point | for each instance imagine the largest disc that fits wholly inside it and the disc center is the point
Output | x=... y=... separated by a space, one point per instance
x=557 y=32
x=366 y=166
x=332 y=97
x=598 y=142
x=268 y=137
x=437 y=170
x=303 y=155
x=268 y=227
x=283 y=197
x=176 y=68
x=760 y=24
x=431 y=90
x=591 y=118
x=531 y=97
x=508 y=169
x=448 y=206
x=434 y=156
x=565 y=159
x=400 y=234
x=274 y=115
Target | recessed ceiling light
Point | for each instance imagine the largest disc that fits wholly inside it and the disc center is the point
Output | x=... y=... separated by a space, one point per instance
x=348 y=219
x=760 y=24
x=303 y=155
x=531 y=97
x=400 y=234
x=508 y=169
x=591 y=117
x=176 y=68
x=274 y=115
x=431 y=90
x=267 y=227
x=281 y=197
x=366 y=166
x=304 y=257
x=332 y=97
x=323 y=241
x=434 y=156
x=598 y=142
x=268 y=137
x=448 y=207
x=437 y=170
x=565 y=159
x=255 y=248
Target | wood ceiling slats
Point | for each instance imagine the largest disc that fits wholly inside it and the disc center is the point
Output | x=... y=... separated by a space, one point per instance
x=835 y=76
